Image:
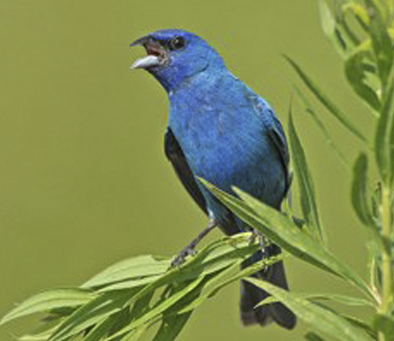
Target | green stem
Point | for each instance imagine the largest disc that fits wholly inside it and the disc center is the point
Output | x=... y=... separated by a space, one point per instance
x=387 y=294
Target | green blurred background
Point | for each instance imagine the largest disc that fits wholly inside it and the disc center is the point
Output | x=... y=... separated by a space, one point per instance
x=83 y=178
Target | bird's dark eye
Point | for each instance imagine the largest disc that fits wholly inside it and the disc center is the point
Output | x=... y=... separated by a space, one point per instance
x=177 y=43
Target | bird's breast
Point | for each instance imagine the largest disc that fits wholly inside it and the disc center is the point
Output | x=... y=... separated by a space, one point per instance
x=220 y=145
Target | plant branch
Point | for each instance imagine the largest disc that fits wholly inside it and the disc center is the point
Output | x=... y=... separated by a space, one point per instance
x=387 y=294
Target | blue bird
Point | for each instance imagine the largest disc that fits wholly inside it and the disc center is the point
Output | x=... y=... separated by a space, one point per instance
x=221 y=131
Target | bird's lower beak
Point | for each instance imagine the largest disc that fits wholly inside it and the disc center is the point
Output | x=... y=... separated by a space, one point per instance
x=157 y=55
x=145 y=63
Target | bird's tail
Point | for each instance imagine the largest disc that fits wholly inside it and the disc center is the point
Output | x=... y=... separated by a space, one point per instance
x=252 y=295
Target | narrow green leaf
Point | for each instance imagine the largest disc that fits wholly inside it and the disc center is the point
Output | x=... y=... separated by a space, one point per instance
x=307 y=188
x=222 y=280
x=48 y=300
x=128 y=284
x=41 y=333
x=385 y=324
x=134 y=335
x=359 y=12
x=289 y=231
x=381 y=41
x=211 y=259
x=390 y=137
x=92 y=313
x=126 y=316
x=101 y=329
x=343 y=299
x=325 y=101
x=310 y=336
x=361 y=203
x=42 y=337
x=171 y=327
x=136 y=267
x=357 y=78
x=330 y=141
x=284 y=232
x=384 y=139
x=216 y=283
x=350 y=36
x=214 y=257
x=390 y=6
x=358 y=323
x=249 y=216
x=320 y=318
x=359 y=191
x=329 y=28
x=160 y=308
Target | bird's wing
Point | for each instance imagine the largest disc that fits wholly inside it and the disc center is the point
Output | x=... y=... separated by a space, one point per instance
x=277 y=137
x=175 y=154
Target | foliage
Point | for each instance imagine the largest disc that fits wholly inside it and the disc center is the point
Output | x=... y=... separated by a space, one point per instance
x=132 y=296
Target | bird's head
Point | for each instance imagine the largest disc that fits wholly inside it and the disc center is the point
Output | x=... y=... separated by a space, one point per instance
x=174 y=56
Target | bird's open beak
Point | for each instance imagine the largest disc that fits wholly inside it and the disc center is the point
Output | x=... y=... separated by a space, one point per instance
x=156 y=54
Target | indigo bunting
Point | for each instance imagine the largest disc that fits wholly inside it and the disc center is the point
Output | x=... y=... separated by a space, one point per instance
x=223 y=132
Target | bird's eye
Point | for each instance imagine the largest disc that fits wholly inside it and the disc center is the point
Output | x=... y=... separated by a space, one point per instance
x=177 y=43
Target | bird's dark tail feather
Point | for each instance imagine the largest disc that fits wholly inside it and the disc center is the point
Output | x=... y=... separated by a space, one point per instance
x=252 y=295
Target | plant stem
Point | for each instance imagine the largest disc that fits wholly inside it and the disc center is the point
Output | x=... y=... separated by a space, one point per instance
x=387 y=294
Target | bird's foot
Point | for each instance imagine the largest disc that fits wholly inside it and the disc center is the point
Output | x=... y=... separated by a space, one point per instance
x=263 y=242
x=256 y=235
x=181 y=258
x=190 y=249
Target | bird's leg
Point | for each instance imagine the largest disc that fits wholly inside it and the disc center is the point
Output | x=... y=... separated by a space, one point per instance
x=264 y=244
x=257 y=235
x=190 y=249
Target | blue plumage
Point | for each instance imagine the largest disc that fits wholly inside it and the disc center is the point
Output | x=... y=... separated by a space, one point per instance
x=220 y=130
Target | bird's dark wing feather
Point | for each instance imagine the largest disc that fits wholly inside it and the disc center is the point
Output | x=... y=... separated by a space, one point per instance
x=175 y=154
x=278 y=138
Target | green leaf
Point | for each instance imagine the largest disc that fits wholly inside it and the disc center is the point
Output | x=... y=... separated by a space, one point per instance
x=284 y=232
x=357 y=77
x=326 y=102
x=329 y=28
x=381 y=41
x=358 y=323
x=48 y=300
x=41 y=333
x=310 y=336
x=101 y=329
x=134 y=335
x=385 y=324
x=174 y=320
x=343 y=299
x=384 y=139
x=136 y=267
x=128 y=284
x=307 y=188
x=214 y=257
x=161 y=306
x=390 y=6
x=92 y=313
x=360 y=201
x=330 y=141
x=171 y=326
x=219 y=282
x=359 y=12
x=320 y=318
x=359 y=191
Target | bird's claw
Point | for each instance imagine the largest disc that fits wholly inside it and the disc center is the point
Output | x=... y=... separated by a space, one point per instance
x=261 y=239
x=254 y=235
x=181 y=258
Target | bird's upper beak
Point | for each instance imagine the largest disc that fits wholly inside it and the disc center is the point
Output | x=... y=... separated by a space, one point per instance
x=156 y=53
